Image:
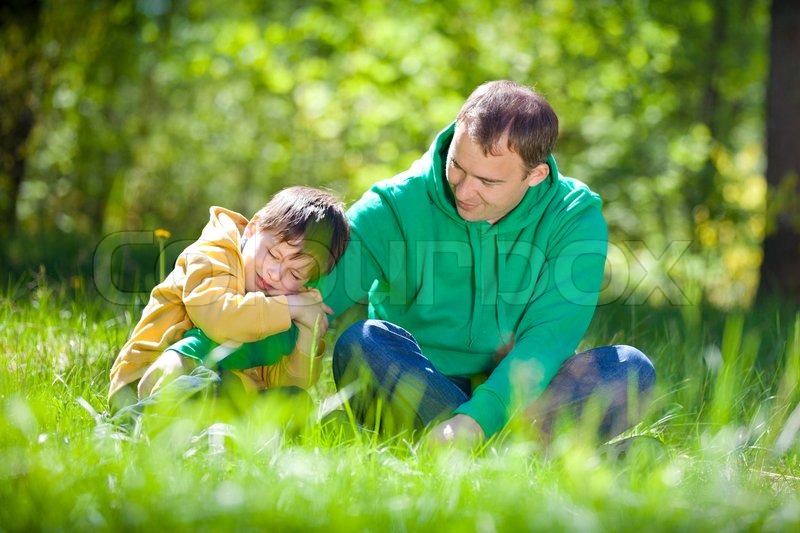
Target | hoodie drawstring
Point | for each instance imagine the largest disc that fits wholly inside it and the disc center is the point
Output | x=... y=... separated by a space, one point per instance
x=477 y=261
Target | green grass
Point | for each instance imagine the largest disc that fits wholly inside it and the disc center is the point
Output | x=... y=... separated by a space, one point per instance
x=724 y=410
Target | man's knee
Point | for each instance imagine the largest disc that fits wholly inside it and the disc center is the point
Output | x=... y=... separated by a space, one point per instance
x=350 y=337
x=366 y=335
x=355 y=338
x=353 y=344
x=639 y=365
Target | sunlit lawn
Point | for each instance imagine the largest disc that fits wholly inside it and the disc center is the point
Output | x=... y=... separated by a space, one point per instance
x=724 y=413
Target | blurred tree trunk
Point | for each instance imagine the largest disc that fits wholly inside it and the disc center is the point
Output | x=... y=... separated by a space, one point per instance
x=780 y=269
x=104 y=148
x=19 y=26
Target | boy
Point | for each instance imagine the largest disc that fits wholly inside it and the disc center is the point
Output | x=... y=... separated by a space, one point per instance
x=240 y=283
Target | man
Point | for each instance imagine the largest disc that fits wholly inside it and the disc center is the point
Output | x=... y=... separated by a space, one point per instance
x=479 y=262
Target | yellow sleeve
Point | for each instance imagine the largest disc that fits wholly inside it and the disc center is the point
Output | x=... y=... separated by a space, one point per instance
x=215 y=298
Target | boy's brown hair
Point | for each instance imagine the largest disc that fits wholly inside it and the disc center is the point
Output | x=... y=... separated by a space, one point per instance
x=313 y=215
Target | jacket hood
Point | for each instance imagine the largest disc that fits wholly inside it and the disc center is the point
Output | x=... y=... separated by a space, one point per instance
x=225 y=227
x=529 y=210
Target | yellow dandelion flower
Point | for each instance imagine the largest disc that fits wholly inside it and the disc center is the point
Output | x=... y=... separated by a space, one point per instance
x=162 y=233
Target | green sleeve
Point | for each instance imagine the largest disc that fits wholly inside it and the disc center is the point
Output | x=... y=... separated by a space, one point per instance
x=196 y=345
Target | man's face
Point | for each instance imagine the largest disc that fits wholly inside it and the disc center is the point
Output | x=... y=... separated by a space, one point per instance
x=487 y=187
x=273 y=267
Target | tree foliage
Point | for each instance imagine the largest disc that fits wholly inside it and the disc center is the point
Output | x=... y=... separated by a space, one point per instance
x=156 y=109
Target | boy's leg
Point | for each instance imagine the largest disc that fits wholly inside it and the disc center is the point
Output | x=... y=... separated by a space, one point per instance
x=124 y=397
x=383 y=366
x=617 y=379
x=169 y=397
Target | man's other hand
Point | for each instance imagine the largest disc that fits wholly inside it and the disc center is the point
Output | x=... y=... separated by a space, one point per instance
x=460 y=431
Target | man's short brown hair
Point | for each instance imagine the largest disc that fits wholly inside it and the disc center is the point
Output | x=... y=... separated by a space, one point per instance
x=497 y=107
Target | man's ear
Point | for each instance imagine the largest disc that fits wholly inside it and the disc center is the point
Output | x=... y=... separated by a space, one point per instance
x=538 y=174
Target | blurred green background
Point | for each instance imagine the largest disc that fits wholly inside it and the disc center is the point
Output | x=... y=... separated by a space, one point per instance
x=143 y=113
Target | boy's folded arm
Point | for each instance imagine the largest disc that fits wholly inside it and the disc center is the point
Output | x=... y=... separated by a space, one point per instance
x=218 y=306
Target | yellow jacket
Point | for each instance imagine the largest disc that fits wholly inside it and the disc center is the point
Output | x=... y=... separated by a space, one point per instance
x=206 y=290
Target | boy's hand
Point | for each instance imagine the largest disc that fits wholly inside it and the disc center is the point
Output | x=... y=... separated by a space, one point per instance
x=166 y=368
x=308 y=310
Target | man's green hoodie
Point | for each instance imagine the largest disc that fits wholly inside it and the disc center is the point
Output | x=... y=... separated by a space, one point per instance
x=469 y=291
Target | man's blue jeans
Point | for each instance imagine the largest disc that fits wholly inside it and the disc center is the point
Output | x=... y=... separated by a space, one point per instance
x=392 y=382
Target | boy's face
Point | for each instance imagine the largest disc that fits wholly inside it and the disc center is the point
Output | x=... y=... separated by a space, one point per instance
x=274 y=267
